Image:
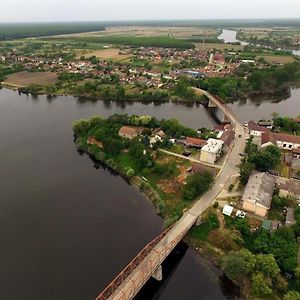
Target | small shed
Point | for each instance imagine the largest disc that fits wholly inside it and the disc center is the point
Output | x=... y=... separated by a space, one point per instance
x=266 y=224
x=290 y=216
x=227 y=210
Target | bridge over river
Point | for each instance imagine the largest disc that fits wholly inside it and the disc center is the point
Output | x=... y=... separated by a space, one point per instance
x=148 y=262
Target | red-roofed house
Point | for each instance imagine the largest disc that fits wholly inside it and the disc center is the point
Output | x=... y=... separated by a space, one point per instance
x=255 y=129
x=282 y=140
x=130 y=132
x=194 y=142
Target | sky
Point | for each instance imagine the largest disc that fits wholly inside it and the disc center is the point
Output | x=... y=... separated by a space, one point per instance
x=104 y=10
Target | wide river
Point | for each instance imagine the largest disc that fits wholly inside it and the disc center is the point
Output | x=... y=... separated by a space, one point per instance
x=67 y=228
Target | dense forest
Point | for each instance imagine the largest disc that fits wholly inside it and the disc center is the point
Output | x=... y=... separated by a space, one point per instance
x=16 y=31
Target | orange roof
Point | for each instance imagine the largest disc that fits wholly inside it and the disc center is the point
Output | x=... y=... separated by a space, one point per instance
x=195 y=141
x=130 y=130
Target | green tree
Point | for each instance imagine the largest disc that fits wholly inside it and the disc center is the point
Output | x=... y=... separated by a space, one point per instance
x=260 y=286
x=245 y=171
x=238 y=264
x=267 y=265
x=292 y=295
x=81 y=127
x=196 y=185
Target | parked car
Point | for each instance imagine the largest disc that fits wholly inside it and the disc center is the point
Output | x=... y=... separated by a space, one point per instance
x=240 y=214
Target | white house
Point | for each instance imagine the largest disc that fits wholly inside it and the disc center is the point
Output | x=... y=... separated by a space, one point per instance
x=282 y=140
x=212 y=151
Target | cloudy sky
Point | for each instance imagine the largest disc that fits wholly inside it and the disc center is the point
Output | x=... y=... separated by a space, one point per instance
x=102 y=10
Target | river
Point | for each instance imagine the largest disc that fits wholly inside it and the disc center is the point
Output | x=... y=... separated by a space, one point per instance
x=68 y=228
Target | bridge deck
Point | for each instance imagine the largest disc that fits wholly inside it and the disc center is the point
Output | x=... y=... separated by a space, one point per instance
x=133 y=282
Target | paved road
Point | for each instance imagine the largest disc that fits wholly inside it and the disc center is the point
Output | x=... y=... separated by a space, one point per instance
x=132 y=284
x=230 y=167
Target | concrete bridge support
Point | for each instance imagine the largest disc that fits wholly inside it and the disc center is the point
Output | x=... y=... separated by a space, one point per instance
x=158 y=274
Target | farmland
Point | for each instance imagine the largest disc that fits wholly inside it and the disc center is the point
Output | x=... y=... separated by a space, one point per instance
x=27 y=78
x=111 y=53
x=218 y=46
x=277 y=59
x=164 y=42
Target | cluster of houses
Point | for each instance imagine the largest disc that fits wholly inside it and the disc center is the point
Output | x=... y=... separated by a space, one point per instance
x=216 y=65
x=264 y=137
x=170 y=55
x=210 y=150
x=258 y=193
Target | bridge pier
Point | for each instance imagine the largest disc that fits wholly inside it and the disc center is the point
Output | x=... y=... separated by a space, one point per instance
x=158 y=274
x=198 y=221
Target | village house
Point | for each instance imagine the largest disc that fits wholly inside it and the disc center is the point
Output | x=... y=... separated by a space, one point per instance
x=130 y=132
x=296 y=152
x=194 y=142
x=295 y=168
x=258 y=194
x=266 y=123
x=211 y=151
x=282 y=140
x=255 y=129
x=93 y=141
x=227 y=137
x=290 y=188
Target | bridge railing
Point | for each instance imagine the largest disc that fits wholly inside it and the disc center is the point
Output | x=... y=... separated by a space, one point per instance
x=114 y=285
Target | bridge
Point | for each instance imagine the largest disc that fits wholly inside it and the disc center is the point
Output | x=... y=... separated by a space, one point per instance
x=148 y=262
x=218 y=105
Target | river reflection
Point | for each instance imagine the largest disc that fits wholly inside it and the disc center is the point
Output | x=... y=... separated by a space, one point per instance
x=67 y=228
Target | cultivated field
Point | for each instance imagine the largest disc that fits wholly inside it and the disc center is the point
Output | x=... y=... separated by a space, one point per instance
x=111 y=53
x=27 y=78
x=209 y=46
x=277 y=59
x=147 y=31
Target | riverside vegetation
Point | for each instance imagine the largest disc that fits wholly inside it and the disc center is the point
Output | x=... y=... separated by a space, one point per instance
x=153 y=172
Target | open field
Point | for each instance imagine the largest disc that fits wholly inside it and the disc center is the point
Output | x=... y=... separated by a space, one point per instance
x=27 y=78
x=277 y=59
x=134 y=41
x=111 y=53
x=209 y=46
x=148 y=31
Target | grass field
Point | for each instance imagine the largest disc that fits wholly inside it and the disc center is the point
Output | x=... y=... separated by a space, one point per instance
x=111 y=53
x=277 y=59
x=27 y=78
x=207 y=46
x=160 y=41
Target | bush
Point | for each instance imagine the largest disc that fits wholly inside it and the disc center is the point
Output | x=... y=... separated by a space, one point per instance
x=196 y=185
x=130 y=173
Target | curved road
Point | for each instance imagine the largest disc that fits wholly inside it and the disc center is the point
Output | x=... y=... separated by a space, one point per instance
x=133 y=282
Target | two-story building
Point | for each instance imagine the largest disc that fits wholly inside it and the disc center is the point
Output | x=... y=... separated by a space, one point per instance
x=258 y=194
x=211 y=151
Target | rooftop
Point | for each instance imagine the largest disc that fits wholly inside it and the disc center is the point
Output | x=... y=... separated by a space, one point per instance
x=130 y=130
x=260 y=188
x=213 y=146
x=195 y=141
x=255 y=127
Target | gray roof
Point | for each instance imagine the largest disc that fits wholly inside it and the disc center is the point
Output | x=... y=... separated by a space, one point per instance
x=260 y=189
